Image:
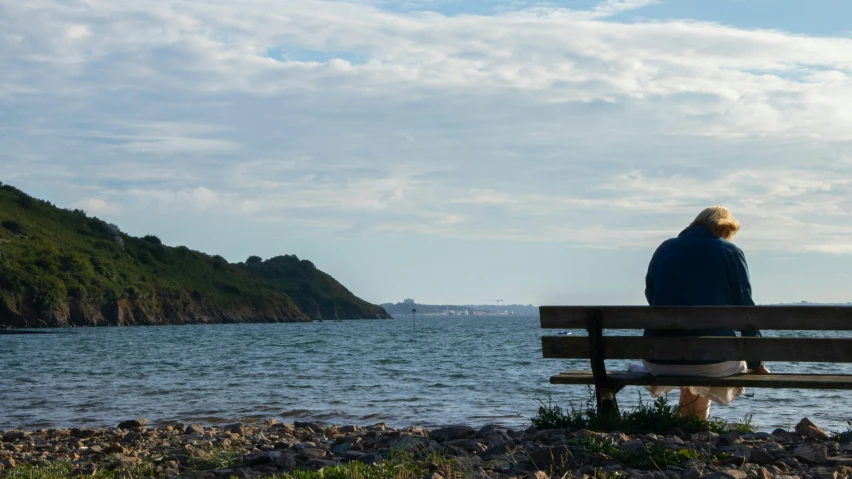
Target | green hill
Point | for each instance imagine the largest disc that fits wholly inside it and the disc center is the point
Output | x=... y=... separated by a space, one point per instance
x=315 y=293
x=63 y=268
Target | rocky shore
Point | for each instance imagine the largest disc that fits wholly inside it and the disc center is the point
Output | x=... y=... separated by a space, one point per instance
x=271 y=449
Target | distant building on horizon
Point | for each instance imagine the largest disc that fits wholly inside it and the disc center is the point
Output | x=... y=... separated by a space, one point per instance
x=407 y=301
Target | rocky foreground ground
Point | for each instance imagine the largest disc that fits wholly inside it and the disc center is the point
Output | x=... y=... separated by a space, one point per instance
x=274 y=448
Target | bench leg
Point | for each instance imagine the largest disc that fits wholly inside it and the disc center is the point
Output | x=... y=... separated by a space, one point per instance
x=608 y=405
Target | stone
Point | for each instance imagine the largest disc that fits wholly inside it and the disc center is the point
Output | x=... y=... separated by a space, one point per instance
x=127 y=462
x=313 y=453
x=348 y=429
x=270 y=422
x=114 y=449
x=312 y=426
x=503 y=449
x=730 y=438
x=633 y=444
x=84 y=470
x=130 y=423
x=286 y=460
x=449 y=433
x=409 y=443
x=487 y=430
x=320 y=463
x=10 y=436
x=8 y=463
x=760 y=457
x=262 y=458
x=726 y=474
x=825 y=474
x=552 y=458
x=237 y=428
x=763 y=473
x=811 y=453
x=538 y=475
x=194 y=429
x=369 y=458
x=341 y=449
x=241 y=473
x=353 y=455
x=129 y=437
x=691 y=473
x=83 y=432
x=497 y=437
x=807 y=429
x=706 y=436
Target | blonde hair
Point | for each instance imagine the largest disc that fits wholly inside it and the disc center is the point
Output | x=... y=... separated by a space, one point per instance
x=719 y=221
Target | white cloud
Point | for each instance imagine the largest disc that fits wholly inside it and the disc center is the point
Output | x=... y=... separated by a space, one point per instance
x=98 y=206
x=609 y=8
x=535 y=125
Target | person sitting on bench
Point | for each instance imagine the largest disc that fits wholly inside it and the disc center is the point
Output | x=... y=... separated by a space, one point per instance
x=701 y=267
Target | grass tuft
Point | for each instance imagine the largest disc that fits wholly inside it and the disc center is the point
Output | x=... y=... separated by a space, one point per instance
x=656 y=456
x=217 y=458
x=659 y=417
x=63 y=470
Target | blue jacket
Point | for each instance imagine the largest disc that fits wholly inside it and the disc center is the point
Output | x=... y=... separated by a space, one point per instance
x=698 y=268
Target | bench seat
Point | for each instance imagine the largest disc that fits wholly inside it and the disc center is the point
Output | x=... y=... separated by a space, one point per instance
x=619 y=379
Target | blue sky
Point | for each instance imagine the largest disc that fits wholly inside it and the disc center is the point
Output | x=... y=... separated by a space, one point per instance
x=451 y=151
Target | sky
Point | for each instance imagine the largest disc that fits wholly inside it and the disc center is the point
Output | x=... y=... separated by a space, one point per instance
x=449 y=151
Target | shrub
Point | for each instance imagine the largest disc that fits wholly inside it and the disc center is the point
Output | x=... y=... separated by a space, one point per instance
x=76 y=263
x=48 y=293
x=13 y=226
x=145 y=257
x=152 y=239
x=25 y=201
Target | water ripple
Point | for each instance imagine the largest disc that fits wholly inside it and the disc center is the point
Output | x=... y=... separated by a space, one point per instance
x=473 y=370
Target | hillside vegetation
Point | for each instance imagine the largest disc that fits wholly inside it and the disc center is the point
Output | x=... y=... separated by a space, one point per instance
x=63 y=268
x=315 y=293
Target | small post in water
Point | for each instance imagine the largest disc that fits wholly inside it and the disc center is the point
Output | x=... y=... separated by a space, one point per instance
x=413 y=319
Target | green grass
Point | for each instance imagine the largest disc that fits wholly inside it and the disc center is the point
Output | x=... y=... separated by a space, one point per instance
x=656 y=456
x=217 y=458
x=398 y=465
x=843 y=436
x=659 y=417
x=391 y=469
x=62 y=470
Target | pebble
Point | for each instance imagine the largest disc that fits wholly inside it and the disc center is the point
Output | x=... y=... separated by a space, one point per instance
x=268 y=448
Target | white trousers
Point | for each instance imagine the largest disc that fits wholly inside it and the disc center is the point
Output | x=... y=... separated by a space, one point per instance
x=717 y=394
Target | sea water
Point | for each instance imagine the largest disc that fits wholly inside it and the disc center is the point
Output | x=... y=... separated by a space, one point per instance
x=437 y=371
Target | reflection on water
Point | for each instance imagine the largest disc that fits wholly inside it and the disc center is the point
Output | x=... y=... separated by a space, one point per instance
x=450 y=370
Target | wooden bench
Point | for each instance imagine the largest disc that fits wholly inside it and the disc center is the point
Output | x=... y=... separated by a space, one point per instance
x=597 y=348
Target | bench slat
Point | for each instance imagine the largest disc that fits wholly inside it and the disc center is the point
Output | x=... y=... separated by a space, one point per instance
x=833 y=350
x=800 y=381
x=824 y=318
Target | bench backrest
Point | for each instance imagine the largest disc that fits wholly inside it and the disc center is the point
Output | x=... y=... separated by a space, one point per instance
x=596 y=346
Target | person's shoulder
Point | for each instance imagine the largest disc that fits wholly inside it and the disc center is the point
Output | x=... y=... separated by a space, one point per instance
x=667 y=244
x=731 y=247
